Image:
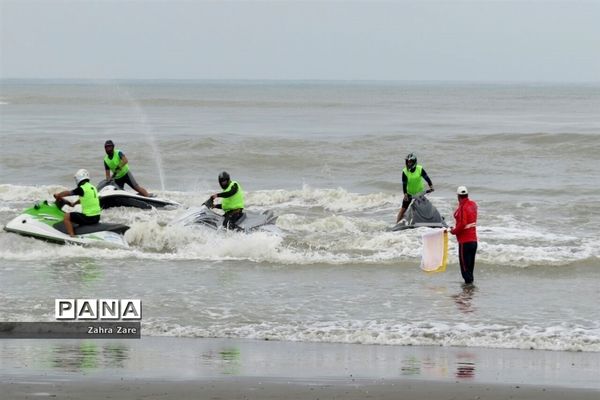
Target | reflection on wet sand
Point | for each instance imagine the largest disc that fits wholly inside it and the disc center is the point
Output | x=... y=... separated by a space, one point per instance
x=439 y=367
x=176 y=358
x=228 y=359
x=465 y=365
x=88 y=356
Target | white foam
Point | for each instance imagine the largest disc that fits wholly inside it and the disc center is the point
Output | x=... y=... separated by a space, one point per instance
x=16 y=193
x=562 y=337
x=335 y=200
x=524 y=256
x=329 y=226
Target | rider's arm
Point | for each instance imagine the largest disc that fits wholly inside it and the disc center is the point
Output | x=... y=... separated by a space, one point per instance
x=230 y=192
x=106 y=171
x=426 y=177
x=404 y=182
x=78 y=191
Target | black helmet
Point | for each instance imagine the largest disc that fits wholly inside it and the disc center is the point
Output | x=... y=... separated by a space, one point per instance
x=410 y=160
x=224 y=179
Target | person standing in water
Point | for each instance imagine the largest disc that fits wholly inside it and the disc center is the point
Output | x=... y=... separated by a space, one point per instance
x=465 y=230
x=116 y=162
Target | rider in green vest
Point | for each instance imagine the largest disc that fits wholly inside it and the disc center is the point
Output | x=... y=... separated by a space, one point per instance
x=116 y=162
x=412 y=182
x=233 y=200
x=88 y=198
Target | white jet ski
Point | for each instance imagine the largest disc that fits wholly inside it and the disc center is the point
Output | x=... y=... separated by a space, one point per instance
x=113 y=196
x=420 y=213
x=45 y=221
x=251 y=221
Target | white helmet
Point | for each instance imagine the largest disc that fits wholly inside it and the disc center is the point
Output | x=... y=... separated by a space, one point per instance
x=81 y=175
x=462 y=190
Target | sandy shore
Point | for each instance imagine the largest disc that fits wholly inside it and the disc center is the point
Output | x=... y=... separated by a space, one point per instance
x=258 y=388
x=176 y=368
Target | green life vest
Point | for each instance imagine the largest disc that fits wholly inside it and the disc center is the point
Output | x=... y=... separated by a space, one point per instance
x=114 y=162
x=415 y=180
x=234 y=202
x=90 y=202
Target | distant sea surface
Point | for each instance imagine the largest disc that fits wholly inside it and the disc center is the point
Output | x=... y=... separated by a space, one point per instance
x=327 y=158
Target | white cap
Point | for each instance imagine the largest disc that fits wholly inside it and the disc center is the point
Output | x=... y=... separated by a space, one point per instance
x=462 y=190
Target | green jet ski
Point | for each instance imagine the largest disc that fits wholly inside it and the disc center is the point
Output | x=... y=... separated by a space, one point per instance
x=45 y=221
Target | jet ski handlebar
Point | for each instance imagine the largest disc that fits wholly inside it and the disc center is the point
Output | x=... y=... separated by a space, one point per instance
x=209 y=203
x=423 y=193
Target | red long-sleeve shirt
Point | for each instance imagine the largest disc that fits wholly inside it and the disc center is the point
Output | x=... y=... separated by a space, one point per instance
x=465 y=215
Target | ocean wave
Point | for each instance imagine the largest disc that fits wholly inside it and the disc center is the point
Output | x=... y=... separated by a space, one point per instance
x=17 y=193
x=149 y=241
x=325 y=226
x=564 y=337
x=572 y=143
x=122 y=97
x=334 y=200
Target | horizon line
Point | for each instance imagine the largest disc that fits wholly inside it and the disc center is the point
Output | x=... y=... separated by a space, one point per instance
x=277 y=80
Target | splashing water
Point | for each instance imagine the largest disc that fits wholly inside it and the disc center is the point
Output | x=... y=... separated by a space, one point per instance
x=142 y=125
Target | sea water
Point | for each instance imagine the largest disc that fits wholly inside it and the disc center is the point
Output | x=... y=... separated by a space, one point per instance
x=326 y=157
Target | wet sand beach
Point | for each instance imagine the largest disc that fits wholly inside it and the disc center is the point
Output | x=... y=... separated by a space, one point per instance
x=265 y=388
x=178 y=368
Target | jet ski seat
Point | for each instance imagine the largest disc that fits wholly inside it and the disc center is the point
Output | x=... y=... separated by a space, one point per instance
x=85 y=229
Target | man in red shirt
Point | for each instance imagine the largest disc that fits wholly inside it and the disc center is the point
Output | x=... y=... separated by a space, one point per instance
x=465 y=230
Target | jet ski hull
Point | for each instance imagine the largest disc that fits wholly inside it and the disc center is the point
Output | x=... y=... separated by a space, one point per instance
x=111 y=196
x=128 y=200
x=420 y=213
x=251 y=221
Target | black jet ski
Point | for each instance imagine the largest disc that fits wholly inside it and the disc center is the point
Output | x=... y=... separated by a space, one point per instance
x=45 y=221
x=112 y=196
x=249 y=222
x=420 y=213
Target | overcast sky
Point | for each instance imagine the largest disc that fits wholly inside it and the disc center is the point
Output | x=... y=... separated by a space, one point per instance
x=360 y=40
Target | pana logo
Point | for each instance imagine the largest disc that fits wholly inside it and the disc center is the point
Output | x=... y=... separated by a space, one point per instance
x=98 y=309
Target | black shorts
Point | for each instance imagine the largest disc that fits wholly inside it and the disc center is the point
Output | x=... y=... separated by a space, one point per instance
x=230 y=218
x=406 y=203
x=82 y=219
x=126 y=179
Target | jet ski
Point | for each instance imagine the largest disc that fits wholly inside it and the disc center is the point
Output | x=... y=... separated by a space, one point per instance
x=45 y=221
x=420 y=213
x=250 y=221
x=113 y=196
